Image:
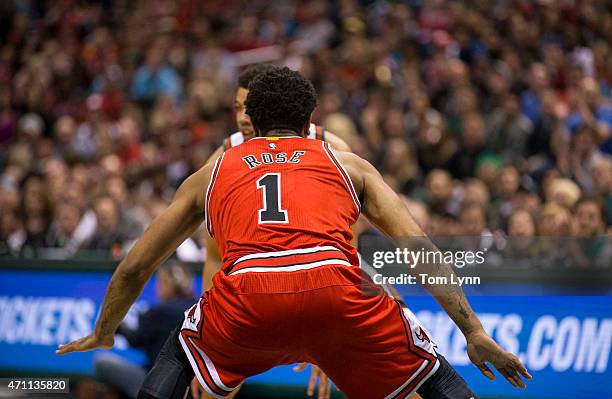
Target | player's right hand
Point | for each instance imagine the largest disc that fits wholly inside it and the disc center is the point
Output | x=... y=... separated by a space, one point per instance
x=482 y=349
x=324 y=389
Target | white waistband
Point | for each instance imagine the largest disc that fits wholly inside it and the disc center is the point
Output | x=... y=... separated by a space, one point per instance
x=286 y=253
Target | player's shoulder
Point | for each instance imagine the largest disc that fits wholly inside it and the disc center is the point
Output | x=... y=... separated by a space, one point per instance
x=356 y=167
x=320 y=133
x=336 y=142
x=349 y=159
x=192 y=186
x=233 y=141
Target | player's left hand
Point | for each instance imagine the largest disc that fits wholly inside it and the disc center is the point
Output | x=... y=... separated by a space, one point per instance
x=482 y=349
x=324 y=389
x=88 y=343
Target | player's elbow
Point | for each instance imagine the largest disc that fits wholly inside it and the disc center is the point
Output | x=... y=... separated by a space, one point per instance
x=133 y=270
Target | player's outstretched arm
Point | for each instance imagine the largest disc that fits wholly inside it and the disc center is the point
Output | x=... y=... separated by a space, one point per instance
x=383 y=207
x=159 y=241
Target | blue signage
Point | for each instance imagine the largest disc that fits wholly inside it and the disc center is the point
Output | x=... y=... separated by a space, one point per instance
x=564 y=341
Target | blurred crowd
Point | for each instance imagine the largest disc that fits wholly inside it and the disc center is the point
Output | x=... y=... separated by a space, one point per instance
x=492 y=118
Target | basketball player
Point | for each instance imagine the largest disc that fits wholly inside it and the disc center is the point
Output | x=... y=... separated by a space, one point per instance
x=213 y=258
x=289 y=290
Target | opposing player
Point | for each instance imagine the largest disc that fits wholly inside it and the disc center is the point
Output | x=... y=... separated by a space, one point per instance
x=290 y=290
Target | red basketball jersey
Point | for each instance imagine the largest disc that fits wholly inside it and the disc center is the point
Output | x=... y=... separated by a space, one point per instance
x=275 y=194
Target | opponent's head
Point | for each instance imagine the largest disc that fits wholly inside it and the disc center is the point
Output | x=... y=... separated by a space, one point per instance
x=244 y=79
x=280 y=99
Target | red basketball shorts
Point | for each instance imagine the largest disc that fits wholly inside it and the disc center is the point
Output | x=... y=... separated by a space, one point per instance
x=369 y=345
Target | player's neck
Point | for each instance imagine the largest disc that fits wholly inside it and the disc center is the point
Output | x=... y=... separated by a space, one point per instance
x=282 y=133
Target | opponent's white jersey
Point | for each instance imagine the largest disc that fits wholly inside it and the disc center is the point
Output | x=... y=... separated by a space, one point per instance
x=315 y=132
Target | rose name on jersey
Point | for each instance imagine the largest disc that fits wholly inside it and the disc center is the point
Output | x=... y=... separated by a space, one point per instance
x=265 y=158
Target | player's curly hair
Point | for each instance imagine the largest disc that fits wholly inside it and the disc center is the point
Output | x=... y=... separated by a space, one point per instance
x=280 y=99
x=246 y=77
